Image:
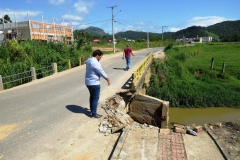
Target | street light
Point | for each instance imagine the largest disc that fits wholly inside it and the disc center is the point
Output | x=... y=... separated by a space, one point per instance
x=162 y=33
x=113 y=26
x=118 y=12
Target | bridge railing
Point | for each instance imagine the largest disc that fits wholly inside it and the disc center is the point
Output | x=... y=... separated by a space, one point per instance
x=27 y=76
x=140 y=69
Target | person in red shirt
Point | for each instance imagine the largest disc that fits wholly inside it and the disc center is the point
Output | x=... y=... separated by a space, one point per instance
x=127 y=54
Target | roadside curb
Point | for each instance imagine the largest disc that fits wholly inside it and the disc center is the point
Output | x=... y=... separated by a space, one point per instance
x=120 y=143
x=221 y=149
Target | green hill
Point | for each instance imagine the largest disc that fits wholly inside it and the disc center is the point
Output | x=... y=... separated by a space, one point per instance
x=212 y=35
x=191 y=32
x=222 y=30
x=225 y=28
x=97 y=31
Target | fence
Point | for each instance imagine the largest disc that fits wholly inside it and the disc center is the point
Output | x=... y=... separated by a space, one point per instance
x=27 y=76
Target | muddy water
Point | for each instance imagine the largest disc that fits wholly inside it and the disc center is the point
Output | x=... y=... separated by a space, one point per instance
x=202 y=116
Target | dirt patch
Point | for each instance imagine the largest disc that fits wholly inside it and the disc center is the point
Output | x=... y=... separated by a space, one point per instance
x=6 y=130
x=159 y=54
x=227 y=137
x=106 y=49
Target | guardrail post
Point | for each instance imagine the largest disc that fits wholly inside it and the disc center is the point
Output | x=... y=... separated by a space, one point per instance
x=33 y=73
x=69 y=64
x=223 y=67
x=212 y=63
x=54 y=68
x=79 y=61
x=1 y=83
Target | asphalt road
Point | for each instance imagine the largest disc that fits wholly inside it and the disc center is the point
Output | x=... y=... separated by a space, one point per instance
x=45 y=118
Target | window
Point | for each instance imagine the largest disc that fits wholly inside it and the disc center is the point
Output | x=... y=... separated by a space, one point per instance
x=36 y=25
x=48 y=27
x=59 y=38
x=68 y=30
x=58 y=28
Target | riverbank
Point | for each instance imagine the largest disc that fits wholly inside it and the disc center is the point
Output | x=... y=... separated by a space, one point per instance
x=186 y=80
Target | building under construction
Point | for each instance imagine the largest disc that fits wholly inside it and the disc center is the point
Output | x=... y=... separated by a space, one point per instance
x=34 y=30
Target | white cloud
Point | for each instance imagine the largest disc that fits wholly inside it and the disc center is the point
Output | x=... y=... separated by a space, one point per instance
x=205 y=21
x=198 y=21
x=82 y=7
x=21 y=15
x=69 y=17
x=73 y=24
x=56 y=2
x=82 y=26
x=174 y=29
x=140 y=23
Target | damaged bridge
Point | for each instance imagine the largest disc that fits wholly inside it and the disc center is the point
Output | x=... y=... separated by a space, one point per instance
x=137 y=116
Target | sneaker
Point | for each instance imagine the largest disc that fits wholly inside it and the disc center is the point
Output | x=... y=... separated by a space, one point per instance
x=97 y=116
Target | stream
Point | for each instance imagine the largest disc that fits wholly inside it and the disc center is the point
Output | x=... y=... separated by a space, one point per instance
x=201 y=116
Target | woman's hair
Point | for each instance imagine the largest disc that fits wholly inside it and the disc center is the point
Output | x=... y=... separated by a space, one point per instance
x=97 y=52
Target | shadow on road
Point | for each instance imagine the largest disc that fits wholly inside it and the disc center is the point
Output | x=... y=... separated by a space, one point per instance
x=127 y=84
x=120 y=68
x=79 y=109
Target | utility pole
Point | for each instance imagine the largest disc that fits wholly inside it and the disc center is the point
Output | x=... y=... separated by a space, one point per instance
x=16 y=26
x=4 y=36
x=162 y=33
x=113 y=27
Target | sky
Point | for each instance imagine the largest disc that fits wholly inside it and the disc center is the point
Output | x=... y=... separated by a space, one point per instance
x=155 y=16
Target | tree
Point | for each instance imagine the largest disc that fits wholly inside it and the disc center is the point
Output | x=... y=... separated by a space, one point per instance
x=6 y=18
x=82 y=37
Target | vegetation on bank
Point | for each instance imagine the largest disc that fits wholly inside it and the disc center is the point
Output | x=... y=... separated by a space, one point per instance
x=18 y=57
x=185 y=78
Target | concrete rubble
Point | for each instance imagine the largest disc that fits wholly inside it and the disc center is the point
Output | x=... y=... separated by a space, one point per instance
x=115 y=118
x=125 y=108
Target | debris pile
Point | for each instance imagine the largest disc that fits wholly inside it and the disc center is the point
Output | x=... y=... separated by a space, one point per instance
x=115 y=118
x=190 y=129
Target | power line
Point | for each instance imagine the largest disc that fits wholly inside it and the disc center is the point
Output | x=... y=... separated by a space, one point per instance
x=124 y=24
x=93 y=22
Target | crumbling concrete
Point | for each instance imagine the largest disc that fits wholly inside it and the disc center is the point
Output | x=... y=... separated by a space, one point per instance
x=123 y=108
x=115 y=118
x=149 y=110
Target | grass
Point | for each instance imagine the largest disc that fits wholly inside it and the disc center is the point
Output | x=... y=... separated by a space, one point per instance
x=214 y=36
x=186 y=80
